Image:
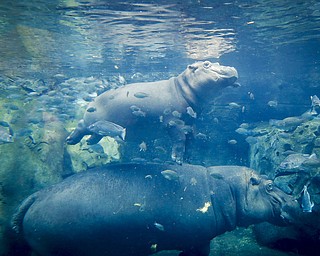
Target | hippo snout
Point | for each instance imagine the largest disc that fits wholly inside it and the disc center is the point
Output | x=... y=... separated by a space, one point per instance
x=290 y=211
x=287 y=208
x=230 y=75
x=233 y=73
x=225 y=73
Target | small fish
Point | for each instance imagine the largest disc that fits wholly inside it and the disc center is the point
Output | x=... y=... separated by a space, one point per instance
x=167 y=111
x=234 y=105
x=315 y=103
x=134 y=108
x=244 y=125
x=201 y=136
x=244 y=131
x=251 y=140
x=122 y=80
x=136 y=75
x=106 y=128
x=143 y=146
x=170 y=175
x=287 y=123
x=293 y=161
x=176 y=113
x=193 y=181
x=153 y=248
x=138 y=160
x=232 y=142
x=91 y=109
x=191 y=112
x=251 y=95
x=141 y=95
x=187 y=129
x=139 y=113
x=205 y=208
x=306 y=203
x=176 y=122
x=272 y=103
x=159 y=226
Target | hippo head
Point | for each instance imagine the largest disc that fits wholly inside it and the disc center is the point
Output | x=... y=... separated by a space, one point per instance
x=206 y=79
x=257 y=199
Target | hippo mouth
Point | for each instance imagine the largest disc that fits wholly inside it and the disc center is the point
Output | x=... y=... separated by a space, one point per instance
x=280 y=210
x=224 y=73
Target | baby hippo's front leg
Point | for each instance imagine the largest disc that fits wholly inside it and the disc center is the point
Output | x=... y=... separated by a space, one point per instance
x=179 y=143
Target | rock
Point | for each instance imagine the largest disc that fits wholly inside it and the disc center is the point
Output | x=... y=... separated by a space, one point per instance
x=83 y=156
x=266 y=155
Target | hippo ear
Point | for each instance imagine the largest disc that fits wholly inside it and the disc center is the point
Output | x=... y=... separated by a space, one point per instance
x=255 y=181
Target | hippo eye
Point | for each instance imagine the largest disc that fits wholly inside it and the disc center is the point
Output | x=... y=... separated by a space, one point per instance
x=207 y=64
x=269 y=187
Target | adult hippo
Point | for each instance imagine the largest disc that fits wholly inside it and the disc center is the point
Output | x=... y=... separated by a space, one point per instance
x=143 y=108
x=140 y=209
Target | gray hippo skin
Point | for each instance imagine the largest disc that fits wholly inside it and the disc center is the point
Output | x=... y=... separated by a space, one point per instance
x=159 y=104
x=133 y=209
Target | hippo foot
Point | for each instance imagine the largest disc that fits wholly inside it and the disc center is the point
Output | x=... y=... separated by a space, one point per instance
x=73 y=138
x=76 y=136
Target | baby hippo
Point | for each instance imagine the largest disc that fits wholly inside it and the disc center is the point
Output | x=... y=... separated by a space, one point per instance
x=147 y=110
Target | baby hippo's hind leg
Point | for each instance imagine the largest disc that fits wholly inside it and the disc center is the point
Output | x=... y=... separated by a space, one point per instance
x=80 y=131
x=179 y=143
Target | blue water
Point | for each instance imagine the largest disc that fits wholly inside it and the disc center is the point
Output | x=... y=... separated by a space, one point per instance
x=56 y=56
x=267 y=42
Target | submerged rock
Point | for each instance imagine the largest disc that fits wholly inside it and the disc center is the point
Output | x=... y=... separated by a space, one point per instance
x=290 y=157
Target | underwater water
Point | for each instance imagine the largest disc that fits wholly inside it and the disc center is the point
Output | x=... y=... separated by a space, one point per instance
x=58 y=56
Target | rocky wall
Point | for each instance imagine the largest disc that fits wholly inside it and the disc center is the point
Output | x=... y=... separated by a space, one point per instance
x=289 y=154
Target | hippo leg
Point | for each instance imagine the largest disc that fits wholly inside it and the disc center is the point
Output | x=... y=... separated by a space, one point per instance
x=78 y=133
x=179 y=140
x=94 y=139
x=203 y=250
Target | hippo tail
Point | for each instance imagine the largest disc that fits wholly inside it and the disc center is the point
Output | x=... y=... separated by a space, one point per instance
x=18 y=216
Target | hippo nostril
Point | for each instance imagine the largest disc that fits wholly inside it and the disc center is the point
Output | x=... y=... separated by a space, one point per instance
x=207 y=64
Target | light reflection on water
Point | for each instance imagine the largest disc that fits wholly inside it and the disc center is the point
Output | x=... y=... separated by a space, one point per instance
x=43 y=39
x=109 y=34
